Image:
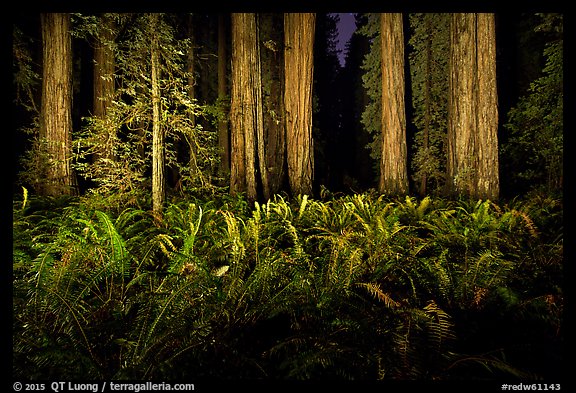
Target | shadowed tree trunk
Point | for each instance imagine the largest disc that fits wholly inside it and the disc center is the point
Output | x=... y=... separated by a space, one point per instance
x=56 y=107
x=393 y=165
x=472 y=166
x=298 y=75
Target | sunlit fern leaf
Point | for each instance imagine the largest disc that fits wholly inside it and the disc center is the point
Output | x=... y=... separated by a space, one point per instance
x=219 y=272
x=375 y=290
x=119 y=257
x=233 y=235
x=302 y=207
x=423 y=207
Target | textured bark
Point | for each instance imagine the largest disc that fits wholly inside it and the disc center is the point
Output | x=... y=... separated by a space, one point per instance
x=298 y=75
x=393 y=166
x=56 y=109
x=158 y=160
x=223 y=134
x=472 y=165
x=246 y=108
x=104 y=69
x=488 y=182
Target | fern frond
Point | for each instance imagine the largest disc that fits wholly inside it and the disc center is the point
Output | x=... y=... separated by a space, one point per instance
x=119 y=254
x=440 y=327
x=302 y=207
x=423 y=207
x=375 y=290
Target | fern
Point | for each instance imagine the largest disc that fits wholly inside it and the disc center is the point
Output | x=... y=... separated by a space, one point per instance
x=374 y=290
x=440 y=328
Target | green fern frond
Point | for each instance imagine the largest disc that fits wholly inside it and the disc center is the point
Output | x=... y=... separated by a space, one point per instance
x=423 y=207
x=302 y=207
x=440 y=327
x=119 y=254
x=375 y=290
x=24 y=198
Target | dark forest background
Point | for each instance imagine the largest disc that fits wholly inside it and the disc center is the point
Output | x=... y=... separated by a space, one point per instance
x=527 y=72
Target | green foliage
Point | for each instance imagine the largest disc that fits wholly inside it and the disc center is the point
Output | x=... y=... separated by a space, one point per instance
x=372 y=79
x=428 y=60
x=357 y=287
x=26 y=78
x=536 y=124
x=190 y=150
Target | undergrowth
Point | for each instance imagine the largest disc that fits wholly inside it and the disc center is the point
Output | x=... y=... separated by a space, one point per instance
x=356 y=287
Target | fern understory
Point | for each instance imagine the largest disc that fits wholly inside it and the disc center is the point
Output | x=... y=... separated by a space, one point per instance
x=360 y=287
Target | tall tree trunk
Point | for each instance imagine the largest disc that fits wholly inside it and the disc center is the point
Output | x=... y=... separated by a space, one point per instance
x=246 y=108
x=104 y=69
x=56 y=109
x=393 y=166
x=223 y=134
x=298 y=75
x=472 y=165
x=158 y=181
x=488 y=182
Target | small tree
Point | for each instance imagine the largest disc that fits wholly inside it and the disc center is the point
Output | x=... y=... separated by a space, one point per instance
x=429 y=76
x=372 y=79
x=146 y=102
x=534 y=152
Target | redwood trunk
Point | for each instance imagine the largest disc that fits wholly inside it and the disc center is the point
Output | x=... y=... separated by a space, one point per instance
x=299 y=68
x=473 y=108
x=246 y=108
x=393 y=166
x=56 y=110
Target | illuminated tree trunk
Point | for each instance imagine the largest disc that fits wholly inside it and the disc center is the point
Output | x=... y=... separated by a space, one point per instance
x=158 y=160
x=56 y=110
x=247 y=134
x=393 y=165
x=473 y=107
x=298 y=76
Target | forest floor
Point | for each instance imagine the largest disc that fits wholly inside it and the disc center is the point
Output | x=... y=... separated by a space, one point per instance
x=356 y=287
